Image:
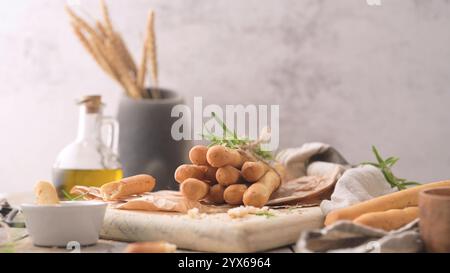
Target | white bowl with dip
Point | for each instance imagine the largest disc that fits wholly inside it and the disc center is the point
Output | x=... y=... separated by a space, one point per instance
x=57 y=225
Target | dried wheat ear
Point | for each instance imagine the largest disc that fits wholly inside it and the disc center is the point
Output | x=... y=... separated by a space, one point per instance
x=107 y=47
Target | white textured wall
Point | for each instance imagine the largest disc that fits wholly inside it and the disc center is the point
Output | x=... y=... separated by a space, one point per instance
x=341 y=71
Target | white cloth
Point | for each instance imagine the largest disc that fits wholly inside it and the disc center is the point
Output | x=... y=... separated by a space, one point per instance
x=357 y=185
x=347 y=237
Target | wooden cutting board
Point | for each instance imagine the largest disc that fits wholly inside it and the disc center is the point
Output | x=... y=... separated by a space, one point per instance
x=212 y=232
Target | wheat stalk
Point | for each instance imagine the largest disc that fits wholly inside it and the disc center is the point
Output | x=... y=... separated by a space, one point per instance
x=124 y=53
x=92 y=50
x=98 y=46
x=80 y=22
x=124 y=73
x=107 y=18
x=144 y=59
x=116 y=39
x=151 y=50
x=110 y=52
x=101 y=29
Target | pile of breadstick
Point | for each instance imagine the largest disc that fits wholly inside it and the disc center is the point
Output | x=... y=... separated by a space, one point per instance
x=219 y=175
x=108 y=49
x=388 y=212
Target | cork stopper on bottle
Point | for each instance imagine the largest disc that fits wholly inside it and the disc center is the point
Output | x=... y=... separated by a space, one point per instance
x=93 y=103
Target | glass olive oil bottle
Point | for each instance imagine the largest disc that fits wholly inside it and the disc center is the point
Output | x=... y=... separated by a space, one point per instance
x=66 y=179
x=92 y=159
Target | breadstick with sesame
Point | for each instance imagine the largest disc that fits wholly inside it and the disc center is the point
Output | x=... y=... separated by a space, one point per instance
x=194 y=189
x=253 y=171
x=233 y=194
x=215 y=194
x=227 y=175
x=219 y=156
x=197 y=155
x=186 y=171
x=258 y=193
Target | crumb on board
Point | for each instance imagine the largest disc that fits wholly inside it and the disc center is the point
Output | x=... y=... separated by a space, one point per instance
x=243 y=211
x=194 y=213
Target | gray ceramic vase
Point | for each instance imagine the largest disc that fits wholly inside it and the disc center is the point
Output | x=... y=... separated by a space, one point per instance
x=146 y=144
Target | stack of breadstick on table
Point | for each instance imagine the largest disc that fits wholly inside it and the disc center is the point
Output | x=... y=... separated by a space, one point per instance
x=219 y=175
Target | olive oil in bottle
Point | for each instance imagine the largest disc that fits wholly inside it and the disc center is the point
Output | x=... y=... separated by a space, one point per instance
x=65 y=179
x=92 y=159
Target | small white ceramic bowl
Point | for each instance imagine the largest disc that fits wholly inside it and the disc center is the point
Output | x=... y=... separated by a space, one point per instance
x=56 y=225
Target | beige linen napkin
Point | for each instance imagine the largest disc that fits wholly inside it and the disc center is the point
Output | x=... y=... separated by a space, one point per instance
x=298 y=160
x=311 y=173
x=347 y=237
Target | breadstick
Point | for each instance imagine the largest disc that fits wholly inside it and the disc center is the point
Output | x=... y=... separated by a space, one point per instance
x=150 y=247
x=126 y=187
x=233 y=194
x=388 y=220
x=258 y=193
x=215 y=194
x=45 y=193
x=186 y=171
x=396 y=200
x=194 y=189
x=197 y=155
x=219 y=156
x=88 y=193
x=227 y=175
x=253 y=171
x=211 y=174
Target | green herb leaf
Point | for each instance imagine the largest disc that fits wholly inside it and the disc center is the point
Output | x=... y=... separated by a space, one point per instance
x=385 y=166
x=70 y=198
x=231 y=140
x=66 y=195
x=267 y=214
x=371 y=163
x=391 y=161
x=377 y=156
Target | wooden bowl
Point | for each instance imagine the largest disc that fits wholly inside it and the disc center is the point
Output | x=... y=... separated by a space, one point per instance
x=434 y=214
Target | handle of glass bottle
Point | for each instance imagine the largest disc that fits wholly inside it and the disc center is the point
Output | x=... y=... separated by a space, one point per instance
x=112 y=140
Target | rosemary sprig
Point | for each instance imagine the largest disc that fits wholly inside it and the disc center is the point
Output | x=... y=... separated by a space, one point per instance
x=231 y=140
x=70 y=198
x=267 y=155
x=385 y=166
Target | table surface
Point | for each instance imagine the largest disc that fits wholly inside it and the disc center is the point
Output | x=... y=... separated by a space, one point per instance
x=23 y=243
